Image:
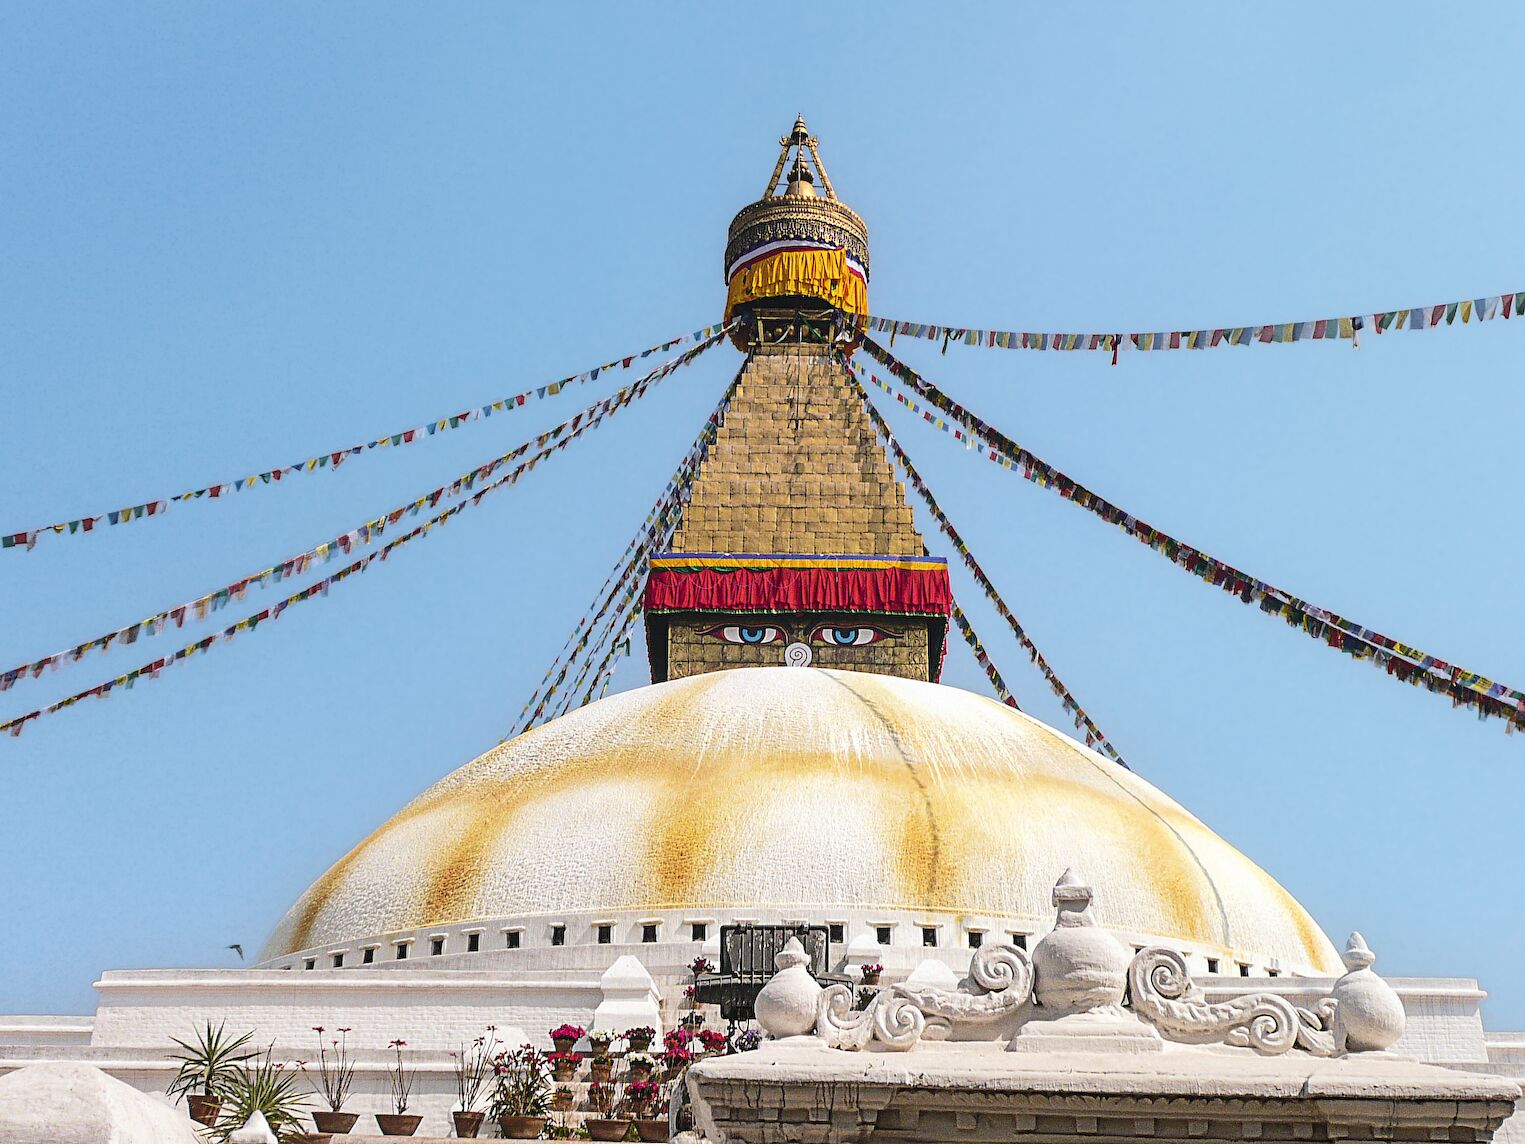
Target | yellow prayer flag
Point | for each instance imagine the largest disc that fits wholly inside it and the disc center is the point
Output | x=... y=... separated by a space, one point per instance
x=1466 y=310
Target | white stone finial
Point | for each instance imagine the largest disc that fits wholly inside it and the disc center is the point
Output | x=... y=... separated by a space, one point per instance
x=256 y=1130
x=1368 y=1015
x=1072 y=897
x=1357 y=954
x=1079 y=965
x=786 y=1005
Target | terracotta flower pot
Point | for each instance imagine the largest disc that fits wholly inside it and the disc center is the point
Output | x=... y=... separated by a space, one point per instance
x=204 y=1109
x=640 y=1072
x=601 y=1129
x=397 y=1123
x=649 y=1129
x=601 y=1073
x=521 y=1127
x=334 y=1123
x=467 y=1124
x=639 y=1044
x=871 y=979
x=562 y=1102
x=564 y=1070
x=564 y=1044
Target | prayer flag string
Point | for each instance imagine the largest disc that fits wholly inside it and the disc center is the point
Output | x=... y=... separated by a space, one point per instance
x=982 y=657
x=655 y=531
x=1083 y=722
x=344 y=543
x=321 y=587
x=1349 y=327
x=26 y=540
x=1406 y=663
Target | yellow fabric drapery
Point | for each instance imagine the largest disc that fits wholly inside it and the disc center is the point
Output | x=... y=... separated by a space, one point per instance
x=819 y=274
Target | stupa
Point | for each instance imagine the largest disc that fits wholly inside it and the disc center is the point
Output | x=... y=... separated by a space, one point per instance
x=795 y=761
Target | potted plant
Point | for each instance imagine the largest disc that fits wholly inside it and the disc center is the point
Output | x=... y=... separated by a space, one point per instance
x=400 y=1077
x=871 y=973
x=641 y=1096
x=693 y=1018
x=603 y=1040
x=520 y=1092
x=336 y=1072
x=601 y=1066
x=565 y=1036
x=746 y=1040
x=640 y=1066
x=701 y=965
x=473 y=1063
x=564 y=1065
x=268 y=1088
x=563 y=1099
x=713 y=1040
x=604 y=1103
x=674 y=1061
x=210 y=1064
x=639 y=1038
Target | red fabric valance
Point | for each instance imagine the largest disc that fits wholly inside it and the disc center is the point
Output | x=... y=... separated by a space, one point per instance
x=898 y=589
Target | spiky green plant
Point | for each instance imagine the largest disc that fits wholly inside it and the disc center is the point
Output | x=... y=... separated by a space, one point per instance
x=267 y=1087
x=211 y=1063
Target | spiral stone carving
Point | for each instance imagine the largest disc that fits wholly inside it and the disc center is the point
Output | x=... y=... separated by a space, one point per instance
x=898 y=1023
x=999 y=968
x=1001 y=980
x=838 y=1024
x=1165 y=996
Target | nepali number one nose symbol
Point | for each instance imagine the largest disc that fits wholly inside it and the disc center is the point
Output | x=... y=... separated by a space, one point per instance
x=798 y=655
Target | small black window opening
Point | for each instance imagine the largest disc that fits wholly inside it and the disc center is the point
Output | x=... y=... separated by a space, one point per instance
x=976 y=939
x=1273 y=973
x=558 y=935
x=1019 y=940
x=310 y=963
x=649 y=933
x=700 y=931
x=473 y=942
x=1244 y=970
x=1212 y=965
x=836 y=932
x=368 y=956
x=511 y=939
x=436 y=946
x=338 y=961
x=402 y=951
x=882 y=935
x=605 y=935
x=928 y=935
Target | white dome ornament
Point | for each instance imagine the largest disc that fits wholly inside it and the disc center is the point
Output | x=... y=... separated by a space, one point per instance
x=1080 y=976
x=786 y=1005
x=1368 y=1016
x=798 y=655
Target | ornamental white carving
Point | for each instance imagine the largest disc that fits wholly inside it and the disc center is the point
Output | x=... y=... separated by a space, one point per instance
x=1000 y=981
x=1067 y=997
x=1164 y=994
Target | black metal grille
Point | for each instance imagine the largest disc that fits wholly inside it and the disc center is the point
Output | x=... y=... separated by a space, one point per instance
x=746 y=964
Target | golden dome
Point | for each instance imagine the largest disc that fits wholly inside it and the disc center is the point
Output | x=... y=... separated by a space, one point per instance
x=801 y=789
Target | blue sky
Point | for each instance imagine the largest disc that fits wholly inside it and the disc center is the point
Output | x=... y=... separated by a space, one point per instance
x=239 y=235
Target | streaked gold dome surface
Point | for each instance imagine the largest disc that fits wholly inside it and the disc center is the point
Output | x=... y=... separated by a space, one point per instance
x=799 y=787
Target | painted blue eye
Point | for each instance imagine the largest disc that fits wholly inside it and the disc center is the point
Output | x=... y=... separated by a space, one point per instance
x=849 y=636
x=746 y=634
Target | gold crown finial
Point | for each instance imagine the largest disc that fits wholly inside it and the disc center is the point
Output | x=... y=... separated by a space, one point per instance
x=799 y=141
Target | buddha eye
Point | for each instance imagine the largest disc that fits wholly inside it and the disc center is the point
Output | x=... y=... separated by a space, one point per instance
x=742 y=634
x=848 y=636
